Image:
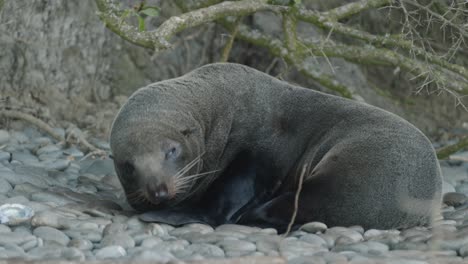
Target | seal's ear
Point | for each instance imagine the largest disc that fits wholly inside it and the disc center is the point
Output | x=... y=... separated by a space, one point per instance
x=188 y=131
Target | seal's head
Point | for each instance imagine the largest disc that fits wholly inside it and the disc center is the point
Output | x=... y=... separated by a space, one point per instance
x=157 y=156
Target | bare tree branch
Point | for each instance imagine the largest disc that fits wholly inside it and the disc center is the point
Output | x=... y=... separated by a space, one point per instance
x=159 y=39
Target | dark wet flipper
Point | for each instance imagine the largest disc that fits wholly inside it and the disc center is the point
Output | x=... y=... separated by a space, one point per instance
x=175 y=217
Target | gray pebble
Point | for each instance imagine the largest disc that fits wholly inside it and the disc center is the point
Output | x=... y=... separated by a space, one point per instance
x=51 y=234
x=198 y=228
x=151 y=242
x=5 y=156
x=314 y=239
x=4 y=186
x=81 y=244
x=114 y=228
x=46 y=252
x=155 y=256
x=20 y=137
x=24 y=157
x=50 y=197
x=72 y=254
x=314 y=227
x=173 y=245
x=20 y=199
x=237 y=245
x=42 y=141
x=291 y=248
x=307 y=260
x=366 y=247
x=118 y=239
x=4 y=229
x=351 y=236
x=4 y=136
x=92 y=235
x=47 y=149
x=237 y=229
x=454 y=199
x=59 y=164
x=30 y=245
x=110 y=252
x=206 y=250
x=73 y=152
x=135 y=223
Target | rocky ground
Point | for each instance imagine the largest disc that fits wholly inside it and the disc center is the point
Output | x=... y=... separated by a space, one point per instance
x=78 y=212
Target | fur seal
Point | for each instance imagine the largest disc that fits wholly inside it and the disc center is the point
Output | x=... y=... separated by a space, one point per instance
x=226 y=143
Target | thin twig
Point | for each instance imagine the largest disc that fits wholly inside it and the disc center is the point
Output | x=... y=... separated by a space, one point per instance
x=48 y=129
x=33 y=120
x=296 y=202
x=227 y=48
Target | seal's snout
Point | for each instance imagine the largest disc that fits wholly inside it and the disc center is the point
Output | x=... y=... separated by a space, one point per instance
x=159 y=193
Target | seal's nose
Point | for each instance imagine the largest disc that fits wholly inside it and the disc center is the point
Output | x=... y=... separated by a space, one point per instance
x=161 y=193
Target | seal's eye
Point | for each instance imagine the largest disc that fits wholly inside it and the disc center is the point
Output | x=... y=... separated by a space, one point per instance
x=171 y=153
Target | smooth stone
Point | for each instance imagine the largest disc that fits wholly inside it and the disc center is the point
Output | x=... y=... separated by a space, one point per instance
x=151 y=242
x=173 y=245
x=5 y=156
x=20 y=137
x=454 y=199
x=140 y=237
x=114 y=228
x=198 y=228
x=30 y=245
x=50 y=197
x=332 y=257
x=24 y=157
x=27 y=188
x=295 y=248
x=237 y=229
x=73 y=152
x=206 y=250
x=81 y=244
x=93 y=235
x=447 y=187
x=47 y=149
x=463 y=251
x=4 y=229
x=352 y=235
x=72 y=254
x=307 y=260
x=366 y=247
x=135 y=223
x=20 y=199
x=30 y=174
x=118 y=239
x=411 y=246
x=237 y=254
x=51 y=234
x=267 y=246
x=46 y=252
x=42 y=141
x=53 y=219
x=4 y=136
x=60 y=131
x=110 y=252
x=53 y=155
x=314 y=239
x=5 y=186
x=97 y=166
x=58 y=164
x=314 y=227
x=237 y=245
x=154 y=255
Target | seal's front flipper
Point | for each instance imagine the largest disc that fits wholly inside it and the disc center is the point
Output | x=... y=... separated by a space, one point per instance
x=175 y=217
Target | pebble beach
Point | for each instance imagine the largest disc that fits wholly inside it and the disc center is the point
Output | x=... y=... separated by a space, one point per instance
x=62 y=204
